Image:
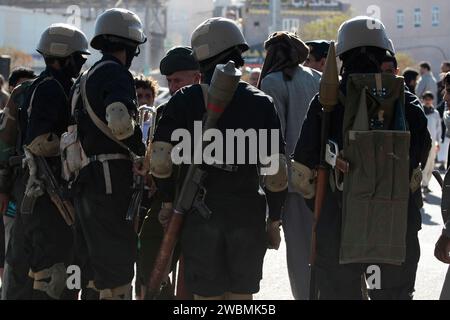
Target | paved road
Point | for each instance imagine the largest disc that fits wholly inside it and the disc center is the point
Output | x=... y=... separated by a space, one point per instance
x=430 y=276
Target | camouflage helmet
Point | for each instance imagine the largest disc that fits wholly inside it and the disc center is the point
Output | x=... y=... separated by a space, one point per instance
x=121 y=23
x=61 y=40
x=363 y=31
x=215 y=36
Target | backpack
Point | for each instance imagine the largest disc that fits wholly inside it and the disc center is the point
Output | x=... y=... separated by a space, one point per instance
x=377 y=186
x=9 y=121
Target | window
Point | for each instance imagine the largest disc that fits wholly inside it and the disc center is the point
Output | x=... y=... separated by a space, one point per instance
x=400 y=19
x=435 y=16
x=291 y=25
x=417 y=18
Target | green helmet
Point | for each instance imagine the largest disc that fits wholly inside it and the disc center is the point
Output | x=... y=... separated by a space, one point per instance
x=215 y=36
x=363 y=31
x=60 y=40
x=118 y=23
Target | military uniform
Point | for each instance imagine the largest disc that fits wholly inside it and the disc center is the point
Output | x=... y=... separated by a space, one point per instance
x=337 y=281
x=111 y=240
x=42 y=240
x=343 y=281
x=226 y=252
x=106 y=241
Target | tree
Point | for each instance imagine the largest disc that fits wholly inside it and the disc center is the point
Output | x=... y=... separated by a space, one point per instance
x=404 y=60
x=325 y=28
x=18 y=58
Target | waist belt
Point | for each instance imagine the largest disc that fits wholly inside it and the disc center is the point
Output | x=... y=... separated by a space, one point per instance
x=103 y=159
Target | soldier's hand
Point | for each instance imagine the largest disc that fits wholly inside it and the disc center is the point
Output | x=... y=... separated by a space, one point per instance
x=273 y=234
x=165 y=214
x=442 y=249
x=139 y=169
x=4 y=200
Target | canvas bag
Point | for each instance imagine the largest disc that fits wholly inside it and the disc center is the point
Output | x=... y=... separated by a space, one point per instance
x=376 y=189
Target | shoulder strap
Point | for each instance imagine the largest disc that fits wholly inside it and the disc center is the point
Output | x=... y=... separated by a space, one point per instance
x=97 y=121
x=30 y=105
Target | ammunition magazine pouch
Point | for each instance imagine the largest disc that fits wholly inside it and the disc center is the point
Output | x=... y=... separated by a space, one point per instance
x=377 y=186
x=416 y=180
x=72 y=154
x=52 y=281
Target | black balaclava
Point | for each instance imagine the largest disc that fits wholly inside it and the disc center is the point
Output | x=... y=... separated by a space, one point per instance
x=207 y=67
x=71 y=66
x=132 y=52
x=361 y=60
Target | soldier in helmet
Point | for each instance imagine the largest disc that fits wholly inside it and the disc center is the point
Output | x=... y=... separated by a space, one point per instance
x=105 y=112
x=223 y=254
x=361 y=47
x=42 y=242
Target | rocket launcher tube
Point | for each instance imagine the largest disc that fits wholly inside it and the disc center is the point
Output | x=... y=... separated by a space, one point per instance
x=221 y=91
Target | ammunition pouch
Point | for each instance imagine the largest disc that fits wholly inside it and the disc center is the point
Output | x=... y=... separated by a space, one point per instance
x=416 y=180
x=160 y=160
x=377 y=186
x=303 y=180
x=52 y=281
x=45 y=145
x=72 y=154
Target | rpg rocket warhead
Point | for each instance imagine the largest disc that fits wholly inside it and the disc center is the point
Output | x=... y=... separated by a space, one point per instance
x=224 y=83
x=329 y=84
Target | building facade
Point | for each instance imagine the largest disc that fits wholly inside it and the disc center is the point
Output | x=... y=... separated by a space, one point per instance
x=418 y=28
x=293 y=14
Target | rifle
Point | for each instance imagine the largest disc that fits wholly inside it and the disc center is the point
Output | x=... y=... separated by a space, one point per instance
x=223 y=86
x=42 y=176
x=139 y=183
x=328 y=98
x=55 y=191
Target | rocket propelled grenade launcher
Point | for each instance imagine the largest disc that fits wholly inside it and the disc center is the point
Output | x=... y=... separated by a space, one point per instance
x=328 y=98
x=221 y=91
x=329 y=84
